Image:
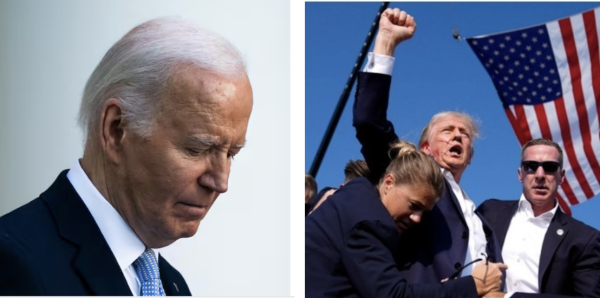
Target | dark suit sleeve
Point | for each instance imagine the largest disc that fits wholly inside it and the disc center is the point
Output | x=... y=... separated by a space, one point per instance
x=373 y=130
x=586 y=276
x=17 y=274
x=372 y=269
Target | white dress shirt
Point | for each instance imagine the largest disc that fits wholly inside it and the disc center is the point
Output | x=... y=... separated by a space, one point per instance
x=383 y=64
x=523 y=246
x=477 y=241
x=124 y=243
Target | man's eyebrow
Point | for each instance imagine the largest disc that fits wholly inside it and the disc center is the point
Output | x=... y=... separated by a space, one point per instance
x=211 y=142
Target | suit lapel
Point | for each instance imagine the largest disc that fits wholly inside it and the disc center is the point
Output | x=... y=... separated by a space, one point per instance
x=556 y=233
x=502 y=220
x=453 y=202
x=93 y=260
x=173 y=282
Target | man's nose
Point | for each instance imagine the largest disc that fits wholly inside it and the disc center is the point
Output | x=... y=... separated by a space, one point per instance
x=457 y=134
x=216 y=176
x=416 y=217
x=539 y=172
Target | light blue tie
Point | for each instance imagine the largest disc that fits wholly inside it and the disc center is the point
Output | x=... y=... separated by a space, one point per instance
x=146 y=268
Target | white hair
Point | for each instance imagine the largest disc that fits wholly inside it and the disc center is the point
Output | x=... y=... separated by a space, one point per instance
x=138 y=67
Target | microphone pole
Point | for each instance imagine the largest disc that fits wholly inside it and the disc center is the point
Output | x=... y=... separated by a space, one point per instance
x=314 y=168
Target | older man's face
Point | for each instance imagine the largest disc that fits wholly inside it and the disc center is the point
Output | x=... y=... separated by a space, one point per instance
x=449 y=143
x=172 y=179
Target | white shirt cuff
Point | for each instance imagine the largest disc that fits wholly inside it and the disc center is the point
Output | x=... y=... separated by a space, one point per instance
x=377 y=63
x=509 y=294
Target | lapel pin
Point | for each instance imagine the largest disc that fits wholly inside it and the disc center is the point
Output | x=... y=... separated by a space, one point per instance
x=560 y=232
x=176 y=288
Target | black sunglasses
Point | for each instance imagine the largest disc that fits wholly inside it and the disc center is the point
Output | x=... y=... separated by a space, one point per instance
x=550 y=167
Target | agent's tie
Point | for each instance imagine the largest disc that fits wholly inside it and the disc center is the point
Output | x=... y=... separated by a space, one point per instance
x=146 y=268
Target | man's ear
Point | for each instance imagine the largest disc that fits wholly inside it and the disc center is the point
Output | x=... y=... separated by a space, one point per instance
x=520 y=174
x=111 y=129
x=425 y=148
x=562 y=176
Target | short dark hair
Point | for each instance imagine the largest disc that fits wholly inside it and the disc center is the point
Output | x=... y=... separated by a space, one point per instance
x=355 y=169
x=542 y=141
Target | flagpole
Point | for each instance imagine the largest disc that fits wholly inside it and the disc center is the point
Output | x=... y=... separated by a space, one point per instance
x=314 y=168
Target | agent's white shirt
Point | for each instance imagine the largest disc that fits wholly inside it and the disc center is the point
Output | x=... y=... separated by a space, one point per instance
x=523 y=246
x=383 y=64
x=125 y=245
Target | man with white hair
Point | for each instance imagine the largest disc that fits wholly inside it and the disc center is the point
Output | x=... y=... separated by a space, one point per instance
x=164 y=113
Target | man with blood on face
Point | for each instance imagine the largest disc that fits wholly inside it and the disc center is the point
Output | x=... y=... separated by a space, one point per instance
x=451 y=236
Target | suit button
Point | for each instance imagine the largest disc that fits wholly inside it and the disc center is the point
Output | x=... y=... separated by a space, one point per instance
x=465 y=235
x=457 y=266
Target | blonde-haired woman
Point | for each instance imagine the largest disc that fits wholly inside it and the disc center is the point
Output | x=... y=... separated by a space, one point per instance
x=353 y=239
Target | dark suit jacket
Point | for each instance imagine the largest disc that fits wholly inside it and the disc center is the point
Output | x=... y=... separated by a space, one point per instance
x=315 y=199
x=352 y=245
x=53 y=246
x=437 y=247
x=569 y=263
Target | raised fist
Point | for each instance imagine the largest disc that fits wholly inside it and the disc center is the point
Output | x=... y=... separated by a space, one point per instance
x=395 y=26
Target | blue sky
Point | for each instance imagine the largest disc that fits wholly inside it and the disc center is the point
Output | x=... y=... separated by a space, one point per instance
x=433 y=73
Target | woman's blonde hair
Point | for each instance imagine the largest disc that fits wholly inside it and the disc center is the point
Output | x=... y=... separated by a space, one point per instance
x=413 y=167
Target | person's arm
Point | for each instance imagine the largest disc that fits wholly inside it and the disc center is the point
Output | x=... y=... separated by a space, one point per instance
x=373 y=272
x=373 y=130
x=586 y=275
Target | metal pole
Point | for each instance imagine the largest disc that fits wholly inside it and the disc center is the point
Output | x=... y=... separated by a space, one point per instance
x=314 y=168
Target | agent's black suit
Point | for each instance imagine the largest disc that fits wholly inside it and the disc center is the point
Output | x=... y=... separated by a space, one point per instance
x=352 y=245
x=53 y=246
x=569 y=263
x=437 y=247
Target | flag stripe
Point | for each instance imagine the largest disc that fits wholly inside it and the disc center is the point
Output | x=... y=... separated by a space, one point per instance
x=523 y=125
x=513 y=122
x=592 y=41
x=580 y=104
x=540 y=111
x=569 y=147
x=567 y=113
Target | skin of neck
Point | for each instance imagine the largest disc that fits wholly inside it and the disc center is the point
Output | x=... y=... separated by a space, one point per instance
x=96 y=166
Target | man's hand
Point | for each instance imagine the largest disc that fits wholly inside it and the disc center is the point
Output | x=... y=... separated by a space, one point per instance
x=395 y=26
x=488 y=277
x=494 y=295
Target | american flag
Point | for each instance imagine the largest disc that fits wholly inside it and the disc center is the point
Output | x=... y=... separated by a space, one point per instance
x=548 y=79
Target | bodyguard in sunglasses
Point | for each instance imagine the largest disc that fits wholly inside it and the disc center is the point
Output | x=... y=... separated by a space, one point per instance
x=547 y=251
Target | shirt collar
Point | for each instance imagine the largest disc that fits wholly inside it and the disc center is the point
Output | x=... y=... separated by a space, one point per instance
x=448 y=175
x=525 y=207
x=124 y=243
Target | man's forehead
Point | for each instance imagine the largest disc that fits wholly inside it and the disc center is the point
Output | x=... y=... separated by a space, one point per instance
x=546 y=150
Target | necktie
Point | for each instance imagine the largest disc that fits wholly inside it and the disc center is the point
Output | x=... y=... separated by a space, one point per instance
x=146 y=268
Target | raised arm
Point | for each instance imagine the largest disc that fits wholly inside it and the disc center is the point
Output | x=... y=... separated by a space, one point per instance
x=373 y=130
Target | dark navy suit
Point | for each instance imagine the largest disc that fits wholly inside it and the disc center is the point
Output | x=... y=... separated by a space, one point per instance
x=353 y=245
x=52 y=246
x=437 y=247
x=569 y=263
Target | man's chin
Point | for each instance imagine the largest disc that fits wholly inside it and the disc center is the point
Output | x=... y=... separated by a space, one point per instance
x=189 y=229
